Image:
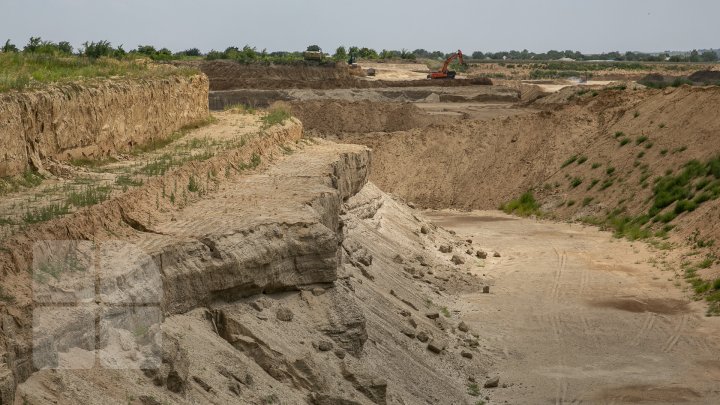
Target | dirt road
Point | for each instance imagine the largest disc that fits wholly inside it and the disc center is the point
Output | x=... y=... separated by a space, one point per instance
x=576 y=316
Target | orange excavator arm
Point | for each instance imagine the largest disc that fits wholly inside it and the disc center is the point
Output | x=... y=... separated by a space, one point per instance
x=458 y=55
x=444 y=73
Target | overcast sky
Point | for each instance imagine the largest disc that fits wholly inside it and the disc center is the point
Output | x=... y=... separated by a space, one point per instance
x=470 y=25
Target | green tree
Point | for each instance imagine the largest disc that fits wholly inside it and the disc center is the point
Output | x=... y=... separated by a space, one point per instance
x=8 y=47
x=33 y=45
x=709 y=56
x=191 y=52
x=100 y=49
x=367 y=53
x=340 y=53
x=148 y=50
x=694 y=56
x=65 y=47
x=313 y=48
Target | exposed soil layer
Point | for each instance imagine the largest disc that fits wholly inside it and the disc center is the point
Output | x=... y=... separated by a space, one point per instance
x=335 y=117
x=229 y=75
x=93 y=121
x=220 y=100
x=706 y=76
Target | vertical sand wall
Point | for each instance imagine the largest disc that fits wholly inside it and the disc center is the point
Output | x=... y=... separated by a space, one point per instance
x=94 y=119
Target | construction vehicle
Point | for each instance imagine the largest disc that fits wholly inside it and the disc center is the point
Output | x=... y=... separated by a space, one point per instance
x=444 y=73
x=314 y=53
x=313 y=56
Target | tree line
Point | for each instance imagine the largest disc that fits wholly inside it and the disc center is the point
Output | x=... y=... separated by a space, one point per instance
x=37 y=45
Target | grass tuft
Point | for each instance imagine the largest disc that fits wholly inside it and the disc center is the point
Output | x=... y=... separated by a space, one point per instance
x=523 y=206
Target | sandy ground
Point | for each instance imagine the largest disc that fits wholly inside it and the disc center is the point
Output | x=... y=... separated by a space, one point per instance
x=580 y=317
x=475 y=111
x=561 y=84
x=396 y=71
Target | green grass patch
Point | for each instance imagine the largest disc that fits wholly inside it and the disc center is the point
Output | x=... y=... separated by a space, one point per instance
x=592 y=184
x=595 y=165
x=89 y=195
x=19 y=71
x=640 y=140
x=276 y=115
x=569 y=161
x=624 y=141
x=46 y=213
x=581 y=160
x=575 y=182
x=126 y=181
x=29 y=179
x=473 y=390
x=524 y=206
x=607 y=184
x=240 y=109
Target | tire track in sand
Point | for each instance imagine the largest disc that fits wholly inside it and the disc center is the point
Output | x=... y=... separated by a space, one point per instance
x=675 y=337
x=645 y=329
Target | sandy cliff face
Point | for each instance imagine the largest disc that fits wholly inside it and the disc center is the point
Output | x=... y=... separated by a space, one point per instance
x=95 y=119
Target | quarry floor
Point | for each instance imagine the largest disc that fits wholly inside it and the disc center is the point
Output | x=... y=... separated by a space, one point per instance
x=581 y=317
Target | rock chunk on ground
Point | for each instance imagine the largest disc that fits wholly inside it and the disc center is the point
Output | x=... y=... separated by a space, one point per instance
x=492 y=383
x=446 y=249
x=458 y=260
x=408 y=332
x=462 y=327
x=496 y=254
x=486 y=289
x=433 y=315
x=481 y=255
x=424 y=230
x=436 y=346
x=423 y=337
x=466 y=354
x=324 y=346
x=284 y=314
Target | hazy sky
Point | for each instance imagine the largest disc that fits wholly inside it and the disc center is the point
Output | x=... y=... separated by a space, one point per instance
x=470 y=25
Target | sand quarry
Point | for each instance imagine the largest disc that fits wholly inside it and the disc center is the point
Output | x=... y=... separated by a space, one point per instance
x=355 y=253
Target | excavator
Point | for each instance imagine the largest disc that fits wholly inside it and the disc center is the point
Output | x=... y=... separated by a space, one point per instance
x=444 y=73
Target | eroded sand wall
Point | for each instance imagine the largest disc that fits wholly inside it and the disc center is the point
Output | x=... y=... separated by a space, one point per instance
x=95 y=119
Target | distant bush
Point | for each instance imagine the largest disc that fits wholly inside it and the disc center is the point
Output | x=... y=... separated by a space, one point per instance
x=102 y=49
x=523 y=206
